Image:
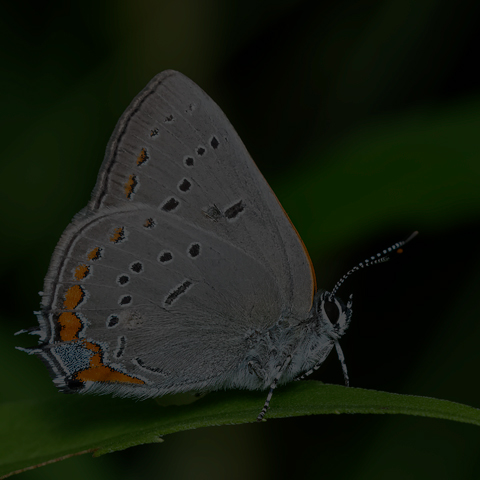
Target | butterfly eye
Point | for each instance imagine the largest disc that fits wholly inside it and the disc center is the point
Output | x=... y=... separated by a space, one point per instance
x=332 y=312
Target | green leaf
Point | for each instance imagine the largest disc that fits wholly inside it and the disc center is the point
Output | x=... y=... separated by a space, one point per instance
x=41 y=431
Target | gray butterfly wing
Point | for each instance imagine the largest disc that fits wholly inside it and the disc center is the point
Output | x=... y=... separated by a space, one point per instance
x=174 y=144
x=182 y=256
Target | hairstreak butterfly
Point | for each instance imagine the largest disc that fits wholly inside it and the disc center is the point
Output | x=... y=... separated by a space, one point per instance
x=183 y=273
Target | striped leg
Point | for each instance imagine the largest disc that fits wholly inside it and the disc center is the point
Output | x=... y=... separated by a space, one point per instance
x=272 y=388
x=326 y=352
x=306 y=374
x=342 y=361
x=318 y=365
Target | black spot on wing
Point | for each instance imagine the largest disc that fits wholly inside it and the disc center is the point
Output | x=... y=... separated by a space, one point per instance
x=121 y=344
x=177 y=292
x=194 y=250
x=233 y=211
x=143 y=365
x=214 y=143
x=123 y=279
x=125 y=300
x=188 y=161
x=136 y=267
x=165 y=257
x=170 y=205
x=185 y=185
x=112 y=321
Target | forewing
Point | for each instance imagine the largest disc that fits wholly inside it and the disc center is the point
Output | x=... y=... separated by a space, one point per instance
x=174 y=148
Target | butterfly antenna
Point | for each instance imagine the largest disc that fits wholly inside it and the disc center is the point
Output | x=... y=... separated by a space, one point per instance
x=380 y=257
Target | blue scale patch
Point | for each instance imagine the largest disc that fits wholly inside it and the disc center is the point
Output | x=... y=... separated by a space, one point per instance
x=74 y=356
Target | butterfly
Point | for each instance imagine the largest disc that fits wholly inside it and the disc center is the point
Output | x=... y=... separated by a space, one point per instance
x=183 y=273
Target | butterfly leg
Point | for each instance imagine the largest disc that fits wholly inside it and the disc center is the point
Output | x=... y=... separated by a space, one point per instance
x=315 y=367
x=342 y=361
x=318 y=365
x=306 y=374
x=272 y=388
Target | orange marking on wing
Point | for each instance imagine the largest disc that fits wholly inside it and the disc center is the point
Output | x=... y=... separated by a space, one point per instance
x=81 y=272
x=98 y=372
x=73 y=297
x=94 y=254
x=143 y=157
x=117 y=235
x=70 y=326
x=130 y=186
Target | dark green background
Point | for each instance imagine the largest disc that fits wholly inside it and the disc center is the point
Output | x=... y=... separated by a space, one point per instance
x=364 y=117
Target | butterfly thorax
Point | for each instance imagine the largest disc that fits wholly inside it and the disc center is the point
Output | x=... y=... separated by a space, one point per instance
x=294 y=347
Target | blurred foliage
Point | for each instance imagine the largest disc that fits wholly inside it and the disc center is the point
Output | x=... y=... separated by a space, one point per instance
x=363 y=117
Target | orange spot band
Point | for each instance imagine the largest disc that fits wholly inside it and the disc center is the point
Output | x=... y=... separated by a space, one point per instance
x=81 y=272
x=117 y=235
x=143 y=157
x=70 y=326
x=73 y=297
x=130 y=186
x=98 y=372
x=94 y=254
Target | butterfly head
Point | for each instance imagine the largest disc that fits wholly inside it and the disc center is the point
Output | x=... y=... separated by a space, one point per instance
x=333 y=314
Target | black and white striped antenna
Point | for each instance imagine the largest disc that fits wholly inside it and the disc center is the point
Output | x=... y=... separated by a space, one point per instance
x=380 y=257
